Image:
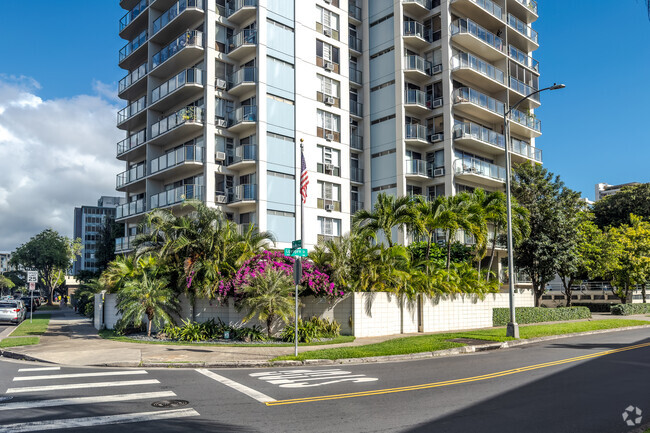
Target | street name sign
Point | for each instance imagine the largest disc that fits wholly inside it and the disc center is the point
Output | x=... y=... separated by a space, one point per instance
x=298 y=252
x=296 y=244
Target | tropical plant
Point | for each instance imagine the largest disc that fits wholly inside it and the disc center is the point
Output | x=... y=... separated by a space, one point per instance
x=389 y=212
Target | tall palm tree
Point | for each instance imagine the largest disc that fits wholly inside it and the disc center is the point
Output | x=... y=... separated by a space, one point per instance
x=455 y=215
x=429 y=217
x=388 y=212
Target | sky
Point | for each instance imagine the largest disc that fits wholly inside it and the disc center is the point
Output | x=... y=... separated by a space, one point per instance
x=58 y=103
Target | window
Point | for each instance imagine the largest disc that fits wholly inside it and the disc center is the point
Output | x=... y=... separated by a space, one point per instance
x=329 y=227
x=327 y=22
x=329 y=194
x=328 y=121
x=328 y=86
x=327 y=52
x=330 y=161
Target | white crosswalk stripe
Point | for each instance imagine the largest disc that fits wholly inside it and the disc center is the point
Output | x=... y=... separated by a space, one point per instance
x=80 y=386
x=39 y=369
x=75 y=375
x=85 y=400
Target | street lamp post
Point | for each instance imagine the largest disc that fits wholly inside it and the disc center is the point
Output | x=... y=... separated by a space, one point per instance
x=513 y=327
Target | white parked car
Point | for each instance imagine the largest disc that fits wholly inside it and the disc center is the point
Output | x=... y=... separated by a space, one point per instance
x=12 y=311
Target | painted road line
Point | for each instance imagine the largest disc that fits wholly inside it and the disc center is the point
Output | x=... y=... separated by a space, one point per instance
x=75 y=375
x=92 y=421
x=20 y=370
x=301 y=378
x=455 y=381
x=84 y=400
x=262 y=398
x=81 y=385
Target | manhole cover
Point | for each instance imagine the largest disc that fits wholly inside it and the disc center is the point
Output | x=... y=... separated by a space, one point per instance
x=170 y=403
x=5 y=398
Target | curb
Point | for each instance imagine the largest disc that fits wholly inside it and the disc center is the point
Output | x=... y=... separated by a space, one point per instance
x=308 y=362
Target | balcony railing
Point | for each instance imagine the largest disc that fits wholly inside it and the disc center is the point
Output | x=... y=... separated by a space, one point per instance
x=415 y=132
x=354 y=11
x=131 y=110
x=354 y=43
x=132 y=141
x=416 y=97
x=467 y=94
x=246 y=152
x=493 y=8
x=188 y=76
x=523 y=88
x=234 y=5
x=356 y=141
x=133 y=13
x=424 y=3
x=466 y=60
x=175 y=11
x=188 y=153
x=132 y=77
x=245 y=113
x=480 y=133
x=355 y=75
x=464 y=25
x=525 y=149
x=417 y=63
x=530 y=4
x=523 y=58
x=356 y=108
x=130 y=209
x=131 y=175
x=244 y=192
x=184 y=115
x=124 y=244
x=191 y=38
x=356 y=174
x=522 y=27
x=355 y=206
x=418 y=167
x=245 y=37
x=482 y=168
x=527 y=120
x=133 y=45
x=243 y=75
x=414 y=28
x=177 y=195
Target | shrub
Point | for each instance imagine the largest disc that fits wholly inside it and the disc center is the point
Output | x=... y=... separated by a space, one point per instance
x=192 y=331
x=249 y=334
x=629 y=309
x=501 y=316
x=89 y=310
x=312 y=329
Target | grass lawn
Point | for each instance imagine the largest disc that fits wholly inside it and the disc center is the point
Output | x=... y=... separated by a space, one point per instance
x=111 y=335
x=37 y=327
x=430 y=343
x=22 y=341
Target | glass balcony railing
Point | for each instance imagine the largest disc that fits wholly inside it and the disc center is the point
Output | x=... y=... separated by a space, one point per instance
x=177 y=195
x=133 y=13
x=424 y=3
x=131 y=110
x=182 y=116
x=188 y=153
x=132 y=77
x=130 y=209
x=480 y=133
x=523 y=58
x=355 y=206
x=522 y=27
x=416 y=97
x=417 y=63
x=530 y=4
x=354 y=43
x=133 y=45
x=175 y=11
x=523 y=88
x=131 y=175
x=356 y=141
x=527 y=120
x=493 y=8
x=234 y=5
x=467 y=94
x=191 y=38
x=525 y=149
x=417 y=167
x=188 y=76
x=244 y=192
x=132 y=141
x=245 y=37
x=356 y=108
x=124 y=244
x=414 y=28
x=354 y=11
x=464 y=25
x=245 y=113
x=246 y=152
x=466 y=60
x=356 y=174
x=244 y=75
x=355 y=75
x=415 y=132
x=469 y=165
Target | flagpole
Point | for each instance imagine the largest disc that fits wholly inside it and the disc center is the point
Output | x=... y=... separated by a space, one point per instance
x=302 y=240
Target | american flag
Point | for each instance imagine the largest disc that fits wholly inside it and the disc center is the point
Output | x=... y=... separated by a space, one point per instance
x=304 y=178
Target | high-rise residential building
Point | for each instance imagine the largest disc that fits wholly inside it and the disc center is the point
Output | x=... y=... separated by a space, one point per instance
x=5 y=256
x=403 y=97
x=88 y=223
x=605 y=189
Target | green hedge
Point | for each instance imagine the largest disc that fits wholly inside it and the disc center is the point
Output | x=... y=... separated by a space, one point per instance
x=501 y=316
x=629 y=309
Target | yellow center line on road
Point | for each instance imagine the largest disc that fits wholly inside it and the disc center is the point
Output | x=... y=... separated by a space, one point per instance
x=455 y=381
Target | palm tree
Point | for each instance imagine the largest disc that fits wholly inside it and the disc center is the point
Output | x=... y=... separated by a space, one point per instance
x=429 y=216
x=388 y=212
x=454 y=216
x=268 y=296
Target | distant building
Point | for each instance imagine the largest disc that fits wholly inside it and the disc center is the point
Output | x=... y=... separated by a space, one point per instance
x=5 y=256
x=88 y=221
x=604 y=189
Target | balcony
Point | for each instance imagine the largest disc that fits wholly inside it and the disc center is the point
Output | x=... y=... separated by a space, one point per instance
x=180 y=16
x=416 y=135
x=356 y=175
x=525 y=150
x=477 y=39
x=135 y=14
x=128 y=60
x=523 y=59
x=416 y=35
x=356 y=77
x=475 y=71
x=132 y=142
x=355 y=206
x=417 y=102
x=479 y=138
x=524 y=8
x=356 y=141
x=242 y=195
x=176 y=126
x=522 y=34
x=356 y=109
x=242 y=81
x=133 y=114
x=243 y=119
x=184 y=161
x=483 y=11
x=129 y=177
x=476 y=104
x=244 y=156
x=130 y=209
x=481 y=172
x=243 y=44
x=179 y=88
x=417 y=7
x=124 y=244
x=355 y=44
x=184 y=50
x=176 y=195
x=354 y=12
x=417 y=69
x=240 y=11
x=526 y=125
x=522 y=89
x=133 y=84
x=417 y=169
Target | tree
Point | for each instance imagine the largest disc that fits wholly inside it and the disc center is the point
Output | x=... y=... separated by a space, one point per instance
x=575 y=255
x=387 y=213
x=51 y=255
x=268 y=296
x=630 y=245
x=614 y=210
x=456 y=215
x=105 y=251
x=6 y=284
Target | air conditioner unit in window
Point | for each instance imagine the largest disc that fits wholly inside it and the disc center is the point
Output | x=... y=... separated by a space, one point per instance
x=327 y=32
x=221 y=199
x=436 y=69
x=329 y=167
x=329 y=137
x=436 y=137
x=221 y=84
x=328 y=1
x=437 y=103
x=220 y=156
x=438 y=172
x=329 y=207
x=328 y=66
x=329 y=100
x=222 y=123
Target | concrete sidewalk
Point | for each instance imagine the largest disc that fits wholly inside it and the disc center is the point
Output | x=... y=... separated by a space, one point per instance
x=72 y=340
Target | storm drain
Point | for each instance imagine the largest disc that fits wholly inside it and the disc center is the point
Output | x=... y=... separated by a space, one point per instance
x=170 y=403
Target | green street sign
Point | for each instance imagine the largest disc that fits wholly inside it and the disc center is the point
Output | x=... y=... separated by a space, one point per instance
x=299 y=252
x=296 y=244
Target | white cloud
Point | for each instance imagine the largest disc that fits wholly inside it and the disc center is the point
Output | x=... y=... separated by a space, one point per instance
x=54 y=155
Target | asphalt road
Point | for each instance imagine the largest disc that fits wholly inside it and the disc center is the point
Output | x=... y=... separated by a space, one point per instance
x=581 y=384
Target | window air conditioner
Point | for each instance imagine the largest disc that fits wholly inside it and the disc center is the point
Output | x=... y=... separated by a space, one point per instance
x=437 y=103
x=436 y=69
x=221 y=199
x=221 y=84
x=438 y=172
x=222 y=123
x=220 y=156
x=329 y=137
x=329 y=66
x=328 y=1
x=327 y=32
x=329 y=205
x=436 y=137
x=329 y=100
x=329 y=167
